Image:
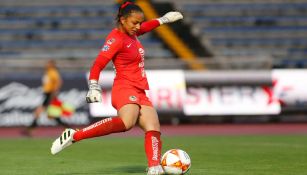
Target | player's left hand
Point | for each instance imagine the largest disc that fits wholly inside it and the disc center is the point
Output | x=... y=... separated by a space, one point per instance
x=170 y=17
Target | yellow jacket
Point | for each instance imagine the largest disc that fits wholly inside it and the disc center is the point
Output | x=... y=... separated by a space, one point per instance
x=51 y=81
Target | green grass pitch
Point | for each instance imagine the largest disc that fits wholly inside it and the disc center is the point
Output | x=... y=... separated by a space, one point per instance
x=211 y=155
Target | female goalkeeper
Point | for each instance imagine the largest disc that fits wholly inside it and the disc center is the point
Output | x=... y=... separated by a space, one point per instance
x=128 y=91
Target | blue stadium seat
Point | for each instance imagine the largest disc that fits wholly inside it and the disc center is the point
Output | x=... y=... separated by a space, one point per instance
x=27 y=29
x=250 y=27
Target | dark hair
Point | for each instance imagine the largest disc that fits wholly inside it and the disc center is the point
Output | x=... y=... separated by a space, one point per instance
x=126 y=9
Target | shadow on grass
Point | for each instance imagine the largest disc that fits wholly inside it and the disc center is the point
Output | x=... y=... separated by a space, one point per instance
x=131 y=169
x=136 y=169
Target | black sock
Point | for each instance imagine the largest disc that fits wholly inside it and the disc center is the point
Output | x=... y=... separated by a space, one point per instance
x=34 y=123
x=59 y=121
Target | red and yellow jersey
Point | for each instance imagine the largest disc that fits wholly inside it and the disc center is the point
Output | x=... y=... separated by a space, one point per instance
x=51 y=81
x=127 y=54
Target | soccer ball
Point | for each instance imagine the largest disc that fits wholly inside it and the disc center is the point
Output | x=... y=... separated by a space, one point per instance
x=176 y=162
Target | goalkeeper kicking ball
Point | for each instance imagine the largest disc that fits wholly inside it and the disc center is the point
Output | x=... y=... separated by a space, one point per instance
x=176 y=162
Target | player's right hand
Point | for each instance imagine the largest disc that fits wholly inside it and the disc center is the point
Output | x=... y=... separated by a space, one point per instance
x=94 y=93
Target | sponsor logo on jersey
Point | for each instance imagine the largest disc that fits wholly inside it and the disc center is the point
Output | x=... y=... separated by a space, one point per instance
x=129 y=45
x=141 y=64
x=132 y=98
x=105 y=48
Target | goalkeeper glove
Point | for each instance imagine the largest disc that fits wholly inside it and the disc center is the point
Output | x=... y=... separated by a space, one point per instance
x=94 y=93
x=170 y=17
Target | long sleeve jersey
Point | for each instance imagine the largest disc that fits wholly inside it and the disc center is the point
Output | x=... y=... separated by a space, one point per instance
x=127 y=54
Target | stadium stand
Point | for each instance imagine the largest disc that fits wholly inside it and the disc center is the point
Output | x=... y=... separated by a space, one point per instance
x=61 y=29
x=272 y=31
x=250 y=28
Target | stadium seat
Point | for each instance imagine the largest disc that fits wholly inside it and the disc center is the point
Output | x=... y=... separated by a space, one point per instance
x=45 y=27
x=230 y=28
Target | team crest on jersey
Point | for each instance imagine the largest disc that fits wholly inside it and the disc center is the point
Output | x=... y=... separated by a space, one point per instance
x=111 y=41
x=132 y=98
x=105 y=48
x=142 y=51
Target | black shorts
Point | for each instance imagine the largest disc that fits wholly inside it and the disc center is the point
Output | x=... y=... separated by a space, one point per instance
x=47 y=99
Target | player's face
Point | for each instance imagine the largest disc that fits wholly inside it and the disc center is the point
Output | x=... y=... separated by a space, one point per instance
x=132 y=23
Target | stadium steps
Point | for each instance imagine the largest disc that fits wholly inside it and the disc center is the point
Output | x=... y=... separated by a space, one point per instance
x=43 y=26
x=249 y=27
x=184 y=31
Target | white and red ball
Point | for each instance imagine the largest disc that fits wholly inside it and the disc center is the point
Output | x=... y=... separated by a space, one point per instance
x=176 y=162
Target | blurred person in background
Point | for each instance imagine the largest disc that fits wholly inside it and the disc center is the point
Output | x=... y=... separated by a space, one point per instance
x=128 y=92
x=51 y=84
